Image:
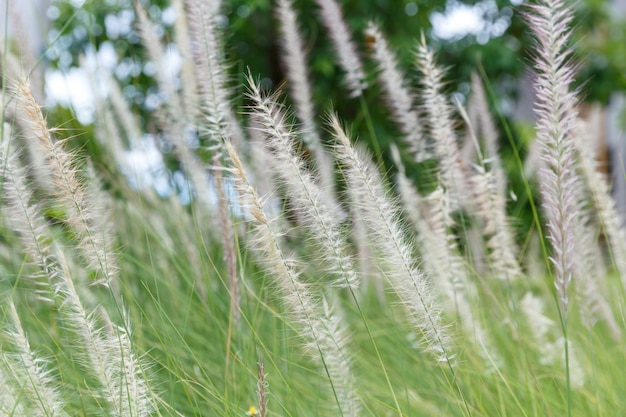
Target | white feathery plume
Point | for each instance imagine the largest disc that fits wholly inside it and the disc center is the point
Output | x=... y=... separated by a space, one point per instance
x=295 y=61
x=555 y=107
x=108 y=133
x=345 y=50
x=533 y=159
x=294 y=58
x=592 y=302
x=106 y=353
x=492 y=213
x=486 y=129
x=25 y=218
x=321 y=329
x=540 y=326
x=398 y=95
x=382 y=217
x=196 y=173
x=262 y=174
x=367 y=269
x=156 y=54
x=177 y=124
x=488 y=195
x=438 y=245
x=100 y=352
x=10 y=66
x=442 y=262
x=593 y=198
x=31 y=373
x=189 y=86
x=127 y=119
x=23 y=58
x=437 y=114
x=228 y=238
x=217 y=124
x=113 y=116
x=369 y=264
x=10 y=404
x=83 y=214
x=600 y=192
x=556 y=111
x=431 y=218
x=304 y=193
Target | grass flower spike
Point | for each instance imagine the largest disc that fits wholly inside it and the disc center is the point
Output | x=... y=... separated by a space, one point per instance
x=556 y=112
x=332 y=18
x=320 y=328
x=307 y=197
x=237 y=242
x=398 y=95
x=388 y=237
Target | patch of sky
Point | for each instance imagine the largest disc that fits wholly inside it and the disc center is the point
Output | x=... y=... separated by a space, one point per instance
x=483 y=20
x=72 y=89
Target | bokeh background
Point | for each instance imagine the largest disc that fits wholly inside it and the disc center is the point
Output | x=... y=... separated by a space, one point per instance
x=59 y=38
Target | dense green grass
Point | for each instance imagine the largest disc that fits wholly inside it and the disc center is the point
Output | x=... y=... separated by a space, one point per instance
x=168 y=308
x=207 y=365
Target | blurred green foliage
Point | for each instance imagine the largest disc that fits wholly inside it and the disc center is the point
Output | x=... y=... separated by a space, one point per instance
x=251 y=36
x=501 y=51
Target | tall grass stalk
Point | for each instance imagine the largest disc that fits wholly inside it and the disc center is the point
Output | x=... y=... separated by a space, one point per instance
x=317 y=325
x=31 y=374
x=382 y=218
x=322 y=221
x=440 y=125
x=345 y=50
x=83 y=213
x=106 y=356
x=259 y=301
x=556 y=111
x=295 y=61
x=399 y=97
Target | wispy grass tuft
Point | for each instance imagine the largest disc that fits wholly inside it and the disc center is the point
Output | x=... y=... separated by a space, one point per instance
x=269 y=250
x=317 y=325
x=439 y=121
x=345 y=50
x=295 y=61
x=556 y=111
x=399 y=97
x=319 y=218
x=79 y=204
x=388 y=235
x=39 y=392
